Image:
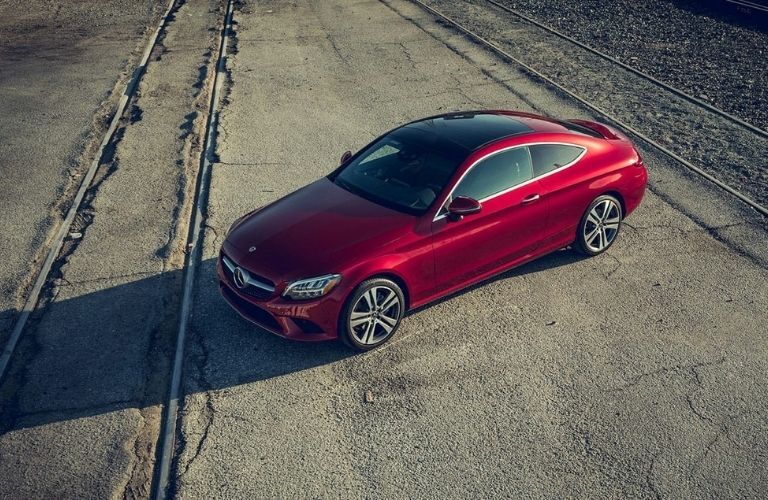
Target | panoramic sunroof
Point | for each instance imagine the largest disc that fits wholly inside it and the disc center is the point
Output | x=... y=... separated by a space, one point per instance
x=473 y=130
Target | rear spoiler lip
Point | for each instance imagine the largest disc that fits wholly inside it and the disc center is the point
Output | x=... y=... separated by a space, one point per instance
x=604 y=130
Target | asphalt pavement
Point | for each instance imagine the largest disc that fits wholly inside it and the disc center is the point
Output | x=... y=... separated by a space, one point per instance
x=81 y=403
x=640 y=372
x=637 y=373
x=62 y=69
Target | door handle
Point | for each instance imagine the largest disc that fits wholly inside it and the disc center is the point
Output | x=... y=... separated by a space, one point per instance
x=530 y=199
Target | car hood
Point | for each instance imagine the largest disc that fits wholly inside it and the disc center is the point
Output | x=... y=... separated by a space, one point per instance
x=316 y=230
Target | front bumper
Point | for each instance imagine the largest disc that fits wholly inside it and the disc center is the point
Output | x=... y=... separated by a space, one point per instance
x=310 y=320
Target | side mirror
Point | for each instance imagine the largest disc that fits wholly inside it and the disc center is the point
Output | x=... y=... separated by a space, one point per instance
x=345 y=157
x=461 y=206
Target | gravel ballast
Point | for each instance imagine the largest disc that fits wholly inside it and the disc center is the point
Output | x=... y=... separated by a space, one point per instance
x=706 y=49
x=728 y=151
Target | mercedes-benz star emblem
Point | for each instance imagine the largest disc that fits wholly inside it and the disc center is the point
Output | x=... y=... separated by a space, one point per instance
x=252 y=249
x=240 y=277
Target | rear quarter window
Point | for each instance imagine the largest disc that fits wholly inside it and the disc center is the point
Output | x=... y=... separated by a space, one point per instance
x=549 y=157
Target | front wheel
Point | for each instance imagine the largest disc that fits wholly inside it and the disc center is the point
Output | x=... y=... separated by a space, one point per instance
x=372 y=314
x=599 y=225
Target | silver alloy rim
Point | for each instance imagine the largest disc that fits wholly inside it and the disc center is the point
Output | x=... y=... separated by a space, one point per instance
x=602 y=225
x=375 y=315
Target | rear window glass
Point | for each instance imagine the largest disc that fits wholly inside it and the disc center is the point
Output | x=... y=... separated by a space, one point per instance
x=549 y=157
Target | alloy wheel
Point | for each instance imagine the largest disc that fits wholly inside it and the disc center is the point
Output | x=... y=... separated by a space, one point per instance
x=602 y=225
x=375 y=315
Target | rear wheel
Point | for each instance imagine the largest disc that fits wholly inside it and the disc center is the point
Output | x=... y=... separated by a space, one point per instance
x=599 y=225
x=372 y=314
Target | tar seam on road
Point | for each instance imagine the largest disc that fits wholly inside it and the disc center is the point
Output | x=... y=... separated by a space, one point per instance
x=168 y=431
x=58 y=240
x=642 y=74
x=495 y=48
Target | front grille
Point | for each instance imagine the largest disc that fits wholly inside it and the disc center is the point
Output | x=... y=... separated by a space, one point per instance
x=254 y=313
x=264 y=290
x=256 y=293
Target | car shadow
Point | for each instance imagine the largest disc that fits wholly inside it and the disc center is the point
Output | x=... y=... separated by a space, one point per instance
x=562 y=257
x=111 y=349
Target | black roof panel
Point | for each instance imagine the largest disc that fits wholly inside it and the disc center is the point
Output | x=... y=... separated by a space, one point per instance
x=471 y=130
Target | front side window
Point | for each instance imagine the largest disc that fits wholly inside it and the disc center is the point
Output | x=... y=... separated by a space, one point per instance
x=495 y=174
x=403 y=174
x=549 y=157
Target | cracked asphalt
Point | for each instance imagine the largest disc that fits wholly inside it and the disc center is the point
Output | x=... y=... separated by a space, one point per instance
x=641 y=372
x=637 y=373
x=61 y=68
x=82 y=401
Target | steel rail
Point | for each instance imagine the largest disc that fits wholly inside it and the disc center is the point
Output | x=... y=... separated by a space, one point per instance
x=501 y=52
x=85 y=184
x=640 y=73
x=192 y=261
x=746 y=4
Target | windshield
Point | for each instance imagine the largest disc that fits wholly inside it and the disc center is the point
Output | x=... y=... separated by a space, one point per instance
x=402 y=174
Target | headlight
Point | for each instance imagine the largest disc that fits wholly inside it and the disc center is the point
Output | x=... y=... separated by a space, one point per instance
x=311 y=287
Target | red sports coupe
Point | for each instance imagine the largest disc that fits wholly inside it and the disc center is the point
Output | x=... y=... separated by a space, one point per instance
x=425 y=210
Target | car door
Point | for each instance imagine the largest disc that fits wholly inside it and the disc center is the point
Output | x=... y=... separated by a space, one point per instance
x=504 y=232
x=554 y=166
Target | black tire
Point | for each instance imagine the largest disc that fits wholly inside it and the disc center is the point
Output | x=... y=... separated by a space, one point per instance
x=608 y=226
x=379 y=320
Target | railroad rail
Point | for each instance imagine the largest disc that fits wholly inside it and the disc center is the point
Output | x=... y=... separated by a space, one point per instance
x=192 y=260
x=191 y=263
x=688 y=97
x=596 y=109
x=58 y=240
x=168 y=430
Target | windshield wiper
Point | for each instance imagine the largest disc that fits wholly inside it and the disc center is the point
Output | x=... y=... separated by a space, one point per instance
x=349 y=187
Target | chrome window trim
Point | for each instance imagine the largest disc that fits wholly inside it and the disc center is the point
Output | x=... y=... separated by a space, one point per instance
x=440 y=215
x=249 y=280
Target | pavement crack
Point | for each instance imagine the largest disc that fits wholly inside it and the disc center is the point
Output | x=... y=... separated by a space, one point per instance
x=136 y=453
x=209 y=414
x=618 y=265
x=216 y=235
x=251 y=164
x=336 y=49
x=649 y=477
x=408 y=55
x=197 y=360
x=692 y=369
x=753 y=257
x=463 y=55
x=460 y=89
x=696 y=411
x=693 y=373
